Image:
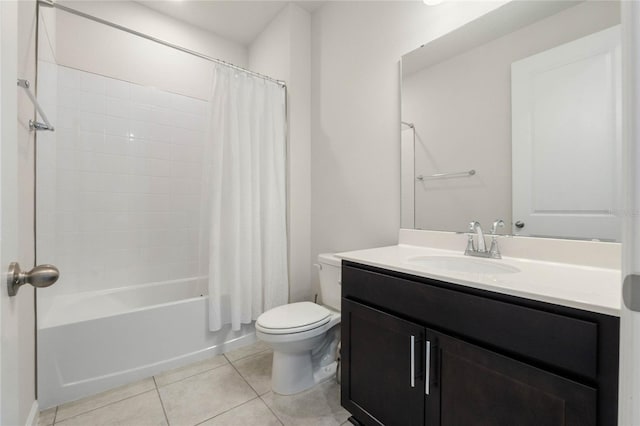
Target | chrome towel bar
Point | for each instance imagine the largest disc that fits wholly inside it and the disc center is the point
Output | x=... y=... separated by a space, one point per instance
x=35 y=125
x=447 y=175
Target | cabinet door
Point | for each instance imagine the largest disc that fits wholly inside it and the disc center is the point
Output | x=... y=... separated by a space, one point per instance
x=473 y=386
x=383 y=367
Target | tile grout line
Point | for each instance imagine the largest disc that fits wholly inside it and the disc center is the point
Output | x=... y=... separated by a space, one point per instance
x=246 y=356
x=102 y=406
x=231 y=408
x=157 y=388
x=55 y=415
x=161 y=402
x=272 y=412
x=148 y=390
x=247 y=359
x=245 y=380
x=252 y=356
x=226 y=411
x=188 y=377
x=259 y=396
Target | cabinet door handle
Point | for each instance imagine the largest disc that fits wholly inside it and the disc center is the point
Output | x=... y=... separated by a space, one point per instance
x=427 y=367
x=413 y=361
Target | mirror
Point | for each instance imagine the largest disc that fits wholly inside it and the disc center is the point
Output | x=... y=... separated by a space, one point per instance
x=516 y=116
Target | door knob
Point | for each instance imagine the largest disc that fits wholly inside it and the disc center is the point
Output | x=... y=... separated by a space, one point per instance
x=40 y=276
x=519 y=224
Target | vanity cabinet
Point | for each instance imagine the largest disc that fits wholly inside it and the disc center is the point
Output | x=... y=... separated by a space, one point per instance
x=384 y=373
x=417 y=351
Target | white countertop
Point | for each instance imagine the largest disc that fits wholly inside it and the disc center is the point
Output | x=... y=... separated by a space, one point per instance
x=595 y=289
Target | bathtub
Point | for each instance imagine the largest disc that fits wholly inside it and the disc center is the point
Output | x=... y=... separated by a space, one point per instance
x=94 y=341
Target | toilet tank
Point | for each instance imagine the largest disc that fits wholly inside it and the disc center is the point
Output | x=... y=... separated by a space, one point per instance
x=330 y=280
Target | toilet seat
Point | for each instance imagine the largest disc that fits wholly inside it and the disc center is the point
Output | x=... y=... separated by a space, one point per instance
x=293 y=318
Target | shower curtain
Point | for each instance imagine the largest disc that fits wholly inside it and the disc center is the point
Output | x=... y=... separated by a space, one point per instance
x=245 y=191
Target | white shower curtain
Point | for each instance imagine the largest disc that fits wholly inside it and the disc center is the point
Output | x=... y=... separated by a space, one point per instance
x=245 y=194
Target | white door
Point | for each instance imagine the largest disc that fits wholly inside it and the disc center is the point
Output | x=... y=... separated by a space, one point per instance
x=629 y=407
x=13 y=403
x=566 y=139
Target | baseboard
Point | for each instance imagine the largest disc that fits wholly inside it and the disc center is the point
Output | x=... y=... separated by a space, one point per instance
x=32 y=420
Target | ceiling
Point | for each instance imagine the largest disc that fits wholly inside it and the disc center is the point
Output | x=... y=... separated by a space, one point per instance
x=239 y=21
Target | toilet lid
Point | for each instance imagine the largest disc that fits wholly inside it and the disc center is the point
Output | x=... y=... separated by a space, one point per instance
x=293 y=318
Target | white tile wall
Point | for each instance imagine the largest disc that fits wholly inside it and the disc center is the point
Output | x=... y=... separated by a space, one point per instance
x=118 y=191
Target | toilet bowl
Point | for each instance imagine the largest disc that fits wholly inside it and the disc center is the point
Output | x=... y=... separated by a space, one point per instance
x=304 y=336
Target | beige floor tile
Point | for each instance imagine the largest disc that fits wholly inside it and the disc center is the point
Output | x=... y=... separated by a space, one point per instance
x=248 y=350
x=190 y=370
x=46 y=417
x=140 y=410
x=205 y=395
x=256 y=370
x=100 y=400
x=319 y=406
x=253 y=413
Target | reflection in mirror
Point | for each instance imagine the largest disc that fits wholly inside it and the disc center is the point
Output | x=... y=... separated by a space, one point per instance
x=516 y=116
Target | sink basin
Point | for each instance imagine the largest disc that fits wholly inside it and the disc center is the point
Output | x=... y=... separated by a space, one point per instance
x=463 y=264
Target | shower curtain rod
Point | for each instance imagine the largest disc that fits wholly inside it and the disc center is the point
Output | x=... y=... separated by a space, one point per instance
x=51 y=3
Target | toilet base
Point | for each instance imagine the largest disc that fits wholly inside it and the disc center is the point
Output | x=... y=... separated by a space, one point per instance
x=325 y=373
x=292 y=372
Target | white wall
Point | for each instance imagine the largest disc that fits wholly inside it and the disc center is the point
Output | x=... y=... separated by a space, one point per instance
x=355 y=127
x=119 y=187
x=117 y=54
x=282 y=51
x=269 y=53
x=139 y=18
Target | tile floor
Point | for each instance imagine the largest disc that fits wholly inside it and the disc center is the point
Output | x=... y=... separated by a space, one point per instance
x=233 y=389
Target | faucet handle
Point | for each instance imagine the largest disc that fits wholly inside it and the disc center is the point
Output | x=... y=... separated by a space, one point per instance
x=472 y=225
x=499 y=223
x=470 y=245
x=494 y=251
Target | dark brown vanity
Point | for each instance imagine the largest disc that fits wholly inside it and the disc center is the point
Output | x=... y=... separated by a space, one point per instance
x=417 y=351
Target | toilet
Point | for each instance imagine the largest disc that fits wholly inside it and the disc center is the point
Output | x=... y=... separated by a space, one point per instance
x=305 y=335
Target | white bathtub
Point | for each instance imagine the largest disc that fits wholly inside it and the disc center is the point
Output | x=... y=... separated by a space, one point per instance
x=90 y=342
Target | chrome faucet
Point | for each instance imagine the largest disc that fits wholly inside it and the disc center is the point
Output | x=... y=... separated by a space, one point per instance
x=475 y=227
x=494 y=251
x=481 y=250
